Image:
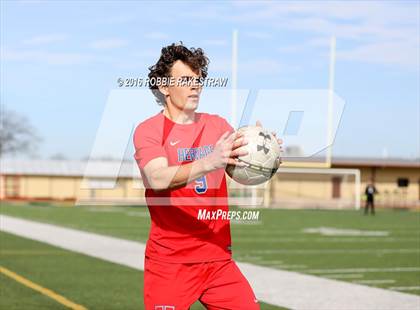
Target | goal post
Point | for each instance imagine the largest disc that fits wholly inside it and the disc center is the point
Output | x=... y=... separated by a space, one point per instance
x=299 y=188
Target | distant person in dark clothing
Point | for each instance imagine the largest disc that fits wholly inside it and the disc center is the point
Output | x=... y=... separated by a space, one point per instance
x=370 y=192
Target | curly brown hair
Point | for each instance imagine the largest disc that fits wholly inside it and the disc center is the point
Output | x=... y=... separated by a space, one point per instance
x=193 y=57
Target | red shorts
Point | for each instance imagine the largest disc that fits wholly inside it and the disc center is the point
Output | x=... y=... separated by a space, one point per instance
x=218 y=285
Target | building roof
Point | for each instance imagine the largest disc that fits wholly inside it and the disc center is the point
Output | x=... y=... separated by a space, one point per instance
x=375 y=162
x=93 y=168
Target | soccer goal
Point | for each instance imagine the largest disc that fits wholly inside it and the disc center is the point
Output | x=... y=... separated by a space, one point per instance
x=321 y=188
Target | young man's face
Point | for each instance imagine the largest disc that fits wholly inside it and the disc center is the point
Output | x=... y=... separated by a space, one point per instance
x=184 y=98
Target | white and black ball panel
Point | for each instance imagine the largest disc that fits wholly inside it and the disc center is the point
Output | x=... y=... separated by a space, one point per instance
x=263 y=158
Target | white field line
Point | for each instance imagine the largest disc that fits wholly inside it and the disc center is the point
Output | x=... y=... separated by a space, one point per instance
x=405 y=288
x=294 y=267
x=363 y=270
x=241 y=238
x=273 y=261
x=302 y=236
x=276 y=229
x=332 y=231
x=385 y=281
x=249 y=257
x=274 y=286
x=343 y=276
x=337 y=251
x=274 y=232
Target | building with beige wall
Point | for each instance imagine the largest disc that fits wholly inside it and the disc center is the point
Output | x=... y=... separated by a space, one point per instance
x=113 y=182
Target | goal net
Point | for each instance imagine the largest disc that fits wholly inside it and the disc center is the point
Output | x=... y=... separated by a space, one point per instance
x=322 y=188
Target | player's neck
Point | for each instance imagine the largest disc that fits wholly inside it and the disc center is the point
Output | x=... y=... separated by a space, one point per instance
x=179 y=116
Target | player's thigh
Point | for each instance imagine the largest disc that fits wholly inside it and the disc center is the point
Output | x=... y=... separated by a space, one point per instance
x=229 y=289
x=168 y=286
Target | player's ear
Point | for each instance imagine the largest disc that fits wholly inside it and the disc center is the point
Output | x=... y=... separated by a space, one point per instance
x=164 y=90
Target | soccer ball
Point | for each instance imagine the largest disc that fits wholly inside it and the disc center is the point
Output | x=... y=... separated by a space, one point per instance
x=263 y=158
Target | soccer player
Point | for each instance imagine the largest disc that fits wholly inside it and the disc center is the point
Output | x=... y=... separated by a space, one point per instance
x=182 y=157
x=370 y=193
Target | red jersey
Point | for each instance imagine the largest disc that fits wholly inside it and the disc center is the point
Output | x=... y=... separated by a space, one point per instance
x=177 y=233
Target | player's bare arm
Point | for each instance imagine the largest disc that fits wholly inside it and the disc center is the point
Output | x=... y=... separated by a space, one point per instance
x=227 y=149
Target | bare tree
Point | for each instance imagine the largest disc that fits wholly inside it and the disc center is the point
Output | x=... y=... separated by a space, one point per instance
x=17 y=135
x=58 y=156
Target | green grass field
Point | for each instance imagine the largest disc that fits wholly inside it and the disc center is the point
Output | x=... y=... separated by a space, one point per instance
x=277 y=240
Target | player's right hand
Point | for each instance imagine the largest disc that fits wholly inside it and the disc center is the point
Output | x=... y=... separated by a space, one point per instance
x=226 y=151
